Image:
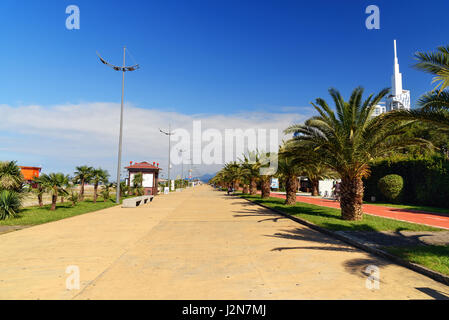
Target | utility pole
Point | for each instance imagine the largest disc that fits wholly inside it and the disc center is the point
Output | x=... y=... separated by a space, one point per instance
x=169 y=133
x=124 y=68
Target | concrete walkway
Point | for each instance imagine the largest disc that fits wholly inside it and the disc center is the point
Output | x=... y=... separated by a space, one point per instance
x=197 y=244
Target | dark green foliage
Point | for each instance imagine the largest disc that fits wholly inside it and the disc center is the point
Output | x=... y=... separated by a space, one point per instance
x=9 y=204
x=391 y=187
x=426 y=179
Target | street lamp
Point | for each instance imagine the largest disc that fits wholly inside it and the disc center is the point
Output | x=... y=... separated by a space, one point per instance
x=182 y=165
x=123 y=69
x=169 y=133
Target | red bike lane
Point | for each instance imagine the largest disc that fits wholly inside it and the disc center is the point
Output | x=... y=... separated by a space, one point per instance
x=439 y=220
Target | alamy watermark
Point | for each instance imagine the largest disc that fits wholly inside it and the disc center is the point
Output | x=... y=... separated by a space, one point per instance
x=73 y=20
x=373 y=20
x=73 y=280
x=212 y=146
x=373 y=280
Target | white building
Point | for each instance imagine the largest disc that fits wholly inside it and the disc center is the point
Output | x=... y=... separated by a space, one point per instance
x=399 y=98
x=379 y=109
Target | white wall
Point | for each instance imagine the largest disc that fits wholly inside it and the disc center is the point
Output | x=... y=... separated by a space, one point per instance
x=326 y=185
x=147 y=180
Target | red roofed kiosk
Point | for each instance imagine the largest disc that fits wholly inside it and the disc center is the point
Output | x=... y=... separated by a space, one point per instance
x=150 y=174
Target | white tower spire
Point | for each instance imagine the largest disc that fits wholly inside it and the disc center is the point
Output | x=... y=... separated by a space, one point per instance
x=399 y=98
x=397 y=76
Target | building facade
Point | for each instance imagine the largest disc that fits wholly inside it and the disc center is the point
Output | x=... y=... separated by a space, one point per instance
x=150 y=175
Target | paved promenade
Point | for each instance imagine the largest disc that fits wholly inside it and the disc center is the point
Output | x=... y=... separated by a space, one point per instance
x=197 y=244
x=439 y=220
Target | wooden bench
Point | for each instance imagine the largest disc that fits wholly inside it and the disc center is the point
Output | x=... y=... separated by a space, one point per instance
x=136 y=201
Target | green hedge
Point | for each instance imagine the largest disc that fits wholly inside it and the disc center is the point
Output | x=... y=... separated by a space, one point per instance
x=426 y=180
x=391 y=187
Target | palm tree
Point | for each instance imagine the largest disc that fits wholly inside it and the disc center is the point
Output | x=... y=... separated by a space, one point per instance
x=233 y=173
x=266 y=172
x=288 y=172
x=436 y=63
x=97 y=176
x=66 y=184
x=348 y=139
x=251 y=170
x=54 y=183
x=11 y=177
x=106 y=190
x=74 y=197
x=83 y=175
x=137 y=184
x=39 y=190
x=124 y=188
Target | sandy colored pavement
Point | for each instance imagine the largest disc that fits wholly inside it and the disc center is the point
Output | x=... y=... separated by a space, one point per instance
x=197 y=244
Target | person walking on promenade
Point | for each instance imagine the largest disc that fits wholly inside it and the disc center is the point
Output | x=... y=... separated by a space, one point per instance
x=337 y=191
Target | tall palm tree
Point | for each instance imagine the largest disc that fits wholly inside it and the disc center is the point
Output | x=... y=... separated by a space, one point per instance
x=98 y=176
x=251 y=169
x=346 y=140
x=266 y=172
x=54 y=183
x=288 y=172
x=83 y=175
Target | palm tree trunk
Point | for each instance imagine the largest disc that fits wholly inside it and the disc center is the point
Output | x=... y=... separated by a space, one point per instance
x=82 y=190
x=54 y=198
x=315 y=187
x=266 y=187
x=253 y=186
x=95 y=192
x=62 y=199
x=351 y=199
x=291 y=185
x=245 y=189
x=39 y=198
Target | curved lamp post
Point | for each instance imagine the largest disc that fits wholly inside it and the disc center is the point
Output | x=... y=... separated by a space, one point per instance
x=124 y=68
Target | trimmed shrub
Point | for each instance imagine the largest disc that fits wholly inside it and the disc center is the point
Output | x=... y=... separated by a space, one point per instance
x=391 y=187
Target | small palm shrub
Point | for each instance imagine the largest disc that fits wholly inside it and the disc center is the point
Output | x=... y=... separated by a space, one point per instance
x=74 y=198
x=391 y=187
x=139 y=191
x=9 y=204
x=105 y=194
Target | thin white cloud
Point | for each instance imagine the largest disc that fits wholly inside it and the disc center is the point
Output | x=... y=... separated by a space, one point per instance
x=68 y=135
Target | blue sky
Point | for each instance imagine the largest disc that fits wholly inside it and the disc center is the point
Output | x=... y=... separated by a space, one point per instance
x=207 y=57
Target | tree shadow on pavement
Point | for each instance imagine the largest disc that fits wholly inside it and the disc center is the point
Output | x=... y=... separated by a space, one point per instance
x=327 y=243
x=434 y=293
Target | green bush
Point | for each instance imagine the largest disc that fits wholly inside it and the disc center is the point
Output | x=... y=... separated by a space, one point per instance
x=9 y=204
x=391 y=187
x=426 y=179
